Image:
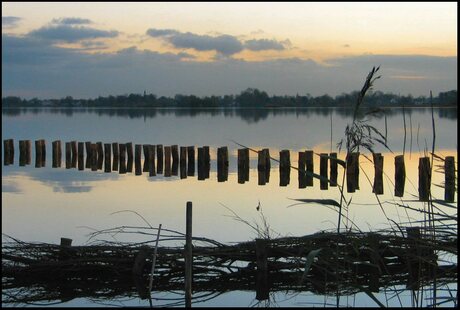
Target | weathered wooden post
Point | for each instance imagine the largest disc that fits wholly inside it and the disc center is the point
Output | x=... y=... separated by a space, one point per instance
x=146 y=148
x=74 y=154
x=191 y=161
x=301 y=168
x=333 y=166
x=352 y=172
x=64 y=251
x=137 y=159
x=107 y=157
x=261 y=167
x=400 y=175
x=57 y=153
x=80 y=151
x=152 y=170
x=323 y=184
x=68 y=155
x=100 y=155
x=159 y=158
x=449 y=175
x=88 y=154
x=285 y=168
x=175 y=159
x=201 y=164
x=115 y=151
x=22 y=153
x=94 y=157
x=8 y=152
x=43 y=152
x=262 y=287
x=310 y=167
x=267 y=165
x=424 y=178
x=207 y=161
x=188 y=255
x=122 y=149
x=243 y=165
x=38 y=154
x=28 y=152
x=167 y=153
x=378 y=176
x=183 y=162
x=222 y=164
x=414 y=257
x=130 y=155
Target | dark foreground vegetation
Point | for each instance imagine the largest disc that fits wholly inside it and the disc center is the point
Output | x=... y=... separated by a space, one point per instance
x=251 y=97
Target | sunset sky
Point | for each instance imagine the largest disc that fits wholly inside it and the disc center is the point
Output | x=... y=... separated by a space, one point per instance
x=51 y=50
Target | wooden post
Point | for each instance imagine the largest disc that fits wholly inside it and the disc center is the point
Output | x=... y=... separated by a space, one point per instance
x=107 y=157
x=449 y=183
x=261 y=167
x=64 y=251
x=167 y=150
x=400 y=175
x=80 y=151
x=323 y=184
x=207 y=161
x=378 y=176
x=285 y=167
x=201 y=164
x=188 y=255
x=68 y=155
x=129 y=153
x=94 y=157
x=122 y=149
x=310 y=167
x=183 y=162
x=333 y=166
x=115 y=151
x=243 y=165
x=424 y=178
x=152 y=170
x=74 y=153
x=28 y=152
x=137 y=159
x=191 y=160
x=22 y=153
x=222 y=164
x=57 y=153
x=146 y=148
x=43 y=152
x=88 y=155
x=175 y=159
x=414 y=257
x=262 y=288
x=301 y=170
x=352 y=172
x=267 y=165
x=8 y=152
x=38 y=154
x=159 y=158
x=100 y=155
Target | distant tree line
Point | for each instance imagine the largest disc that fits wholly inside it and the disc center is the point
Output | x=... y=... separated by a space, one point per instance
x=251 y=97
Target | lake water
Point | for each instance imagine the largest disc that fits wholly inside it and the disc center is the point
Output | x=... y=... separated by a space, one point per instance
x=45 y=204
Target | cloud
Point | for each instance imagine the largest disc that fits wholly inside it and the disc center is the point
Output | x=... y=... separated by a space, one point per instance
x=161 y=32
x=70 y=34
x=223 y=44
x=71 y=21
x=34 y=67
x=266 y=44
x=10 y=21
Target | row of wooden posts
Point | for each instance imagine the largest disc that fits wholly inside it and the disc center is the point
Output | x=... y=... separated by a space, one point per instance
x=173 y=160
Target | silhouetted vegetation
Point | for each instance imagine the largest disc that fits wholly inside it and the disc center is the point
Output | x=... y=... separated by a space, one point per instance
x=251 y=97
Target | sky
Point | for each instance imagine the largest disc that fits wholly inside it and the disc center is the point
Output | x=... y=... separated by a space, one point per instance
x=90 y=49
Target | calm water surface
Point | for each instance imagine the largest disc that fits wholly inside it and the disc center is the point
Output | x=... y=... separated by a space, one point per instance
x=49 y=203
